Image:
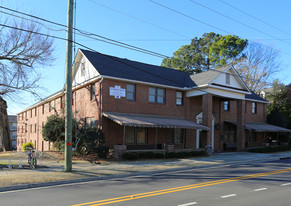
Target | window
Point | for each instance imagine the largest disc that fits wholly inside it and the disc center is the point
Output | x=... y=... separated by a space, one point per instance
x=93 y=97
x=157 y=95
x=62 y=102
x=31 y=113
x=254 y=107
x=73 y=97
x=227 y=78
x=82 y=69
x=130 y=92
x=35 y=112
x=43 y=109
x=34 y=128
x=31 y=128
x=90 y=121
x=179 y=98
x=175 y=136
x=226 y=106
x=50 y=106
x=136 y=136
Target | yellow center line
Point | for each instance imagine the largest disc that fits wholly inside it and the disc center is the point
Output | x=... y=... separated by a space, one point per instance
x=177 y=189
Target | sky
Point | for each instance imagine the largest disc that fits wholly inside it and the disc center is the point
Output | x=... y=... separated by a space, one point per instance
x=161 y=26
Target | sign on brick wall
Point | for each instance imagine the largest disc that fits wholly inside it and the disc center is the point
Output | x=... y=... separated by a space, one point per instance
x=117 y=92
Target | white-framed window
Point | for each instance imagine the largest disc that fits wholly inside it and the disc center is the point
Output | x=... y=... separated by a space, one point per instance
x=179 y=98
x=82 y=69
x=157 y=95
x=90 y=121
x=254 y=107
x=92 y=92
x=226 y=106
x=130 y=92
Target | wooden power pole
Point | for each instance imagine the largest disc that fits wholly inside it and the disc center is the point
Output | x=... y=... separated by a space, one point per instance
x=68 y=107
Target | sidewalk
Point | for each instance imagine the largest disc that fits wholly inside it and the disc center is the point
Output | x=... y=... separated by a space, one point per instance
x=51 y=172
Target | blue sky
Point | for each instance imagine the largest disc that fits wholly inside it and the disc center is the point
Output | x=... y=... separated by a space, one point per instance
x=145 y=24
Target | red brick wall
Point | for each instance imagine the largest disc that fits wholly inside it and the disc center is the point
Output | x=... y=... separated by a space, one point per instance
x=85 y=107
x=33 y=120
x=141 y=105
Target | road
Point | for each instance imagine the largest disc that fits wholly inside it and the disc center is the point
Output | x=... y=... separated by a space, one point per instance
x=266 y=183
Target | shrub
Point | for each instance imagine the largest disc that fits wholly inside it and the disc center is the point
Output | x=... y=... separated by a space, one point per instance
x=270 y=149
x=153 y=155
x=130 y=155
x=27 y=146
x=92 y=141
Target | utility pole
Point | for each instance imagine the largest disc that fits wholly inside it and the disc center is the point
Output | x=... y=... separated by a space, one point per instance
x=68 y=107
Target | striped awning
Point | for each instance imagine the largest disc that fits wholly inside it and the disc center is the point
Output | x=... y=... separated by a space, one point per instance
x=138 y=120
x=262 y=127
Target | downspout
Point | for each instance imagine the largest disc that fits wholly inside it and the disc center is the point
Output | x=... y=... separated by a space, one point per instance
x=100 y=102
x=156 y=138
x=37 y=140
x=123 y=136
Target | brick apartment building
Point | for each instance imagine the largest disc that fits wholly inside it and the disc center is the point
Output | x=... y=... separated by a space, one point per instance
x=148 y=107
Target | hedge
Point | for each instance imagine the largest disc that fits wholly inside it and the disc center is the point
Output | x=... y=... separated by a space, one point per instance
x=153 y=155
x=270 y=149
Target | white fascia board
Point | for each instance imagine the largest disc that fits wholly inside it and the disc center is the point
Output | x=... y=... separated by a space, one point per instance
x=93 y=79
x=53 y=96
x=46 y=99
x=146 y=83
x=226 y=93
x=229 y=89
x=194 y=93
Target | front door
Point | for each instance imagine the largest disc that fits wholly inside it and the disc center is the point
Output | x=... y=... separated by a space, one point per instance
x=229 y=137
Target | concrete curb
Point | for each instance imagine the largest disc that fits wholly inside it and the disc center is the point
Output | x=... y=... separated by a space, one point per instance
x=107 y=177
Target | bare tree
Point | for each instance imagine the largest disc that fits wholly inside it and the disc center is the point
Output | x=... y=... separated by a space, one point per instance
x=258 y=66
x=22 y=51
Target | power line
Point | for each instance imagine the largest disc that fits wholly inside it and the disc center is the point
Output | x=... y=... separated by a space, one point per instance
x=88 y=34
x=103 y=39
x=190 y=17
x=60 y=38
x=221 y=14
x=266 y=23
x=138 y=19
x=49 y=28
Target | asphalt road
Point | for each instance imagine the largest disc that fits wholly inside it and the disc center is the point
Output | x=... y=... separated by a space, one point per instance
x=267 y=184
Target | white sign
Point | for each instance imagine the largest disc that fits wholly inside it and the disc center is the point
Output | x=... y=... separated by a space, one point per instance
x=117 y=92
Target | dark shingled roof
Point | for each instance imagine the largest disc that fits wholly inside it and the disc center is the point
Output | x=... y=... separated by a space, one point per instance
x=127 y=69
x=255 y=97
x=132 y=70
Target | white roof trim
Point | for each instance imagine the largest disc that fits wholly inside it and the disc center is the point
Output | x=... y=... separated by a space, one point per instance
x=229 y=89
